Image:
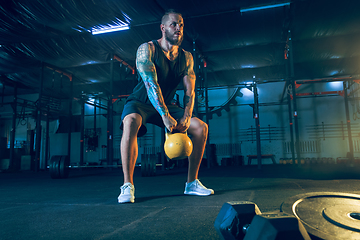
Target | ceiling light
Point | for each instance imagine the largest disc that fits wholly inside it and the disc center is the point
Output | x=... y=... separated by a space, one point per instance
x=242 y=10
x=109 y=28
x=336 y=85
x=247 y=92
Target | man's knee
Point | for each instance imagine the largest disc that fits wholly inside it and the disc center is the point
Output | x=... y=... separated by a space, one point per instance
x=132 y=121
x=204 y=128
x=199 y=128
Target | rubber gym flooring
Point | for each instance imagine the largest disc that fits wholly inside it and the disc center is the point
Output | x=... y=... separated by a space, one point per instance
x=84 y=206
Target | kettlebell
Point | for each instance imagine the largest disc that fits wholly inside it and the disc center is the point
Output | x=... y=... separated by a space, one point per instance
x=177 y=145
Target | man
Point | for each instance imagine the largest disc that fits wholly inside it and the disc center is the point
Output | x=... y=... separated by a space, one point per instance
x=162 y=65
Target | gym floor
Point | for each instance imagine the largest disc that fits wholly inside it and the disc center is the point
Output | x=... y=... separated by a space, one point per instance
x=84 y=206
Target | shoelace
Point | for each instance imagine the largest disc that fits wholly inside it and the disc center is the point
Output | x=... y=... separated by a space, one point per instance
x=197 y=182
x=124 y=187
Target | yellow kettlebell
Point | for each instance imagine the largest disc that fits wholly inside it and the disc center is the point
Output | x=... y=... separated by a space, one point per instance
x=177 y=145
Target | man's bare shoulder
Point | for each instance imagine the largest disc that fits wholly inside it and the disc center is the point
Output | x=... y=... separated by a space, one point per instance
x=145 y=51
x=188 y=58
x=147 y=45
x=188 y=55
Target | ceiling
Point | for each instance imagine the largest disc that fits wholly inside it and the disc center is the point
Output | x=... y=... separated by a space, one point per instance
x=49 y=41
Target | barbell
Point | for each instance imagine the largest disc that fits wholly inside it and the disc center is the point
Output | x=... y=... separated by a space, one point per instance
x=59 y=166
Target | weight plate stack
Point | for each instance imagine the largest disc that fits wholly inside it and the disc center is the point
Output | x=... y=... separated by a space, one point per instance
x=64 y=167
x=326 y=215
x=59 y=166
x=54 y=167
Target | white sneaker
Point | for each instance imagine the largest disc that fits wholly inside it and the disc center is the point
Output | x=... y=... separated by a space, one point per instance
x=127 y=193
x=196 y=188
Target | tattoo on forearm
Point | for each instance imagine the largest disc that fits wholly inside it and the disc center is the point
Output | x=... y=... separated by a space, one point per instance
x=155 y=97
x=147 y=71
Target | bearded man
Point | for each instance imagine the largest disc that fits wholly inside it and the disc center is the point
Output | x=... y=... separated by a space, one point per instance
x=162 y=66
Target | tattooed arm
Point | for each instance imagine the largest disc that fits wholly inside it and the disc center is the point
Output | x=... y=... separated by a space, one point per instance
x=189 y=93
x=147 y=70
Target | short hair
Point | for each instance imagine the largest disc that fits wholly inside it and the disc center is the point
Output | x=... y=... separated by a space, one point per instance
x=167 y=13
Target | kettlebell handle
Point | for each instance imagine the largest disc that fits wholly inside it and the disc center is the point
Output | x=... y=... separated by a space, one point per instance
x=167 y=132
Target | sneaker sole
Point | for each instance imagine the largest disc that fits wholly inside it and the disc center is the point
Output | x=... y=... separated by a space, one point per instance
x=129 y=201
x=198 y=194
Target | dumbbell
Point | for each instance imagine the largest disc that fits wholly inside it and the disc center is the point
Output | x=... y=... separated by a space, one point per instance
x=244 y=220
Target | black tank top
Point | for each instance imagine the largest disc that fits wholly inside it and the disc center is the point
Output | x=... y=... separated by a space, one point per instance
x=169 y=74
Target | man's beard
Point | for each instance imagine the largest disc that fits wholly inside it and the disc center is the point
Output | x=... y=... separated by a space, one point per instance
x=172 y=41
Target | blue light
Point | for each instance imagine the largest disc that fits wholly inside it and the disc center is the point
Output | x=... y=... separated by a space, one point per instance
x=109 y=28
x=263 y=7
x=247 y=92
x=248 y=66
x=332 y=73
x=114 y=26
x=336 y=85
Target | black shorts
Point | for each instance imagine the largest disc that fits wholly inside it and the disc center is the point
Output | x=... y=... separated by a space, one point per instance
x=149 y=114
